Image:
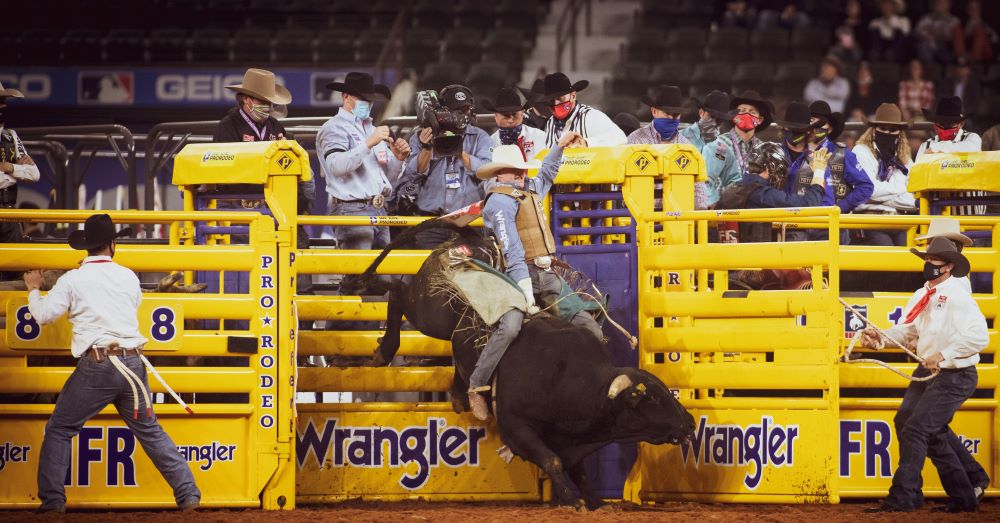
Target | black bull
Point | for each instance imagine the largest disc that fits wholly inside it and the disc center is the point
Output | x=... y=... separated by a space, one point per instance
x=558 y=397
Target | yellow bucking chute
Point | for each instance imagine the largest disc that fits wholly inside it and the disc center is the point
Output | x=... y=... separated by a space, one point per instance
x=240 y=162
x=956 y=172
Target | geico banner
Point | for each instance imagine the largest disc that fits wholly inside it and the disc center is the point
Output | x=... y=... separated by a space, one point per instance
x=400 y=455
x=152 y=87
x=108 y=463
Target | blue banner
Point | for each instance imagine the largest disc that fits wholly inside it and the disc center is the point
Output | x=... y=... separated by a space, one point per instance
x=156 y=87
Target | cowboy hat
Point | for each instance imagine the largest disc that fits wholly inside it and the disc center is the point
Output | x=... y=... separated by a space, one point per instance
x=627 y=122
x=946 y=228
x=508 y=100
x=97 y=231
x=753 y=98
x=821 y=110
x=947 y=111
x=10 y=93
x=716 y=104
x=557 y=85
x=261 y=84
x=888 y=114
x=667 y=98
x=797 y=117
x=945 y=249
x=361 y=85
x=505 y=157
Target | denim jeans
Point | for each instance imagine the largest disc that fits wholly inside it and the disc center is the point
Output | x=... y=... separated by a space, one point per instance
x=90 y=388
x=922 y=428
x=547 y=286
x=506 y=331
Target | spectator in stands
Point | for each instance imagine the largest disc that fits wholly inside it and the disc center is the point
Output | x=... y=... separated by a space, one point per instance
x=975 y=40
x=712 y=114
x=726 y=157
x=359 y=161
x=785 y=14
x=888 y=34
x=883 y=152
x=509 y=114
x=915 y=93
x=963 y=85
x=627 y=122
x=846 y=50
x=829 y=85
x=847 y=186
x=991 y=139
x=936 y=32
x=446 y=183
x=16 y=166
x=949 y=136
x=738 y=14
x=666 y=105
x=595 y=128
x=864 y=96
x=855 y=23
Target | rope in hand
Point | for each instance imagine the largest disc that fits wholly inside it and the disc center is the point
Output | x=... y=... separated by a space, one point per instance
x=854 y=340
x=632 y=340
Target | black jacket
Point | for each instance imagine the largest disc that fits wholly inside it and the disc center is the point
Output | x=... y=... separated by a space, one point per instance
x=234 y=128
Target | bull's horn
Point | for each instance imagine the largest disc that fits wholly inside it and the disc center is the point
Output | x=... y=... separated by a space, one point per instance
x=620 y=383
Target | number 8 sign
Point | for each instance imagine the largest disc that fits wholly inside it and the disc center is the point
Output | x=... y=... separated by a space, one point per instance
x=162 y=322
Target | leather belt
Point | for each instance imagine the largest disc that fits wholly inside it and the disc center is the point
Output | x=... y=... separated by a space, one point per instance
x=377 y=201
x=99 y=353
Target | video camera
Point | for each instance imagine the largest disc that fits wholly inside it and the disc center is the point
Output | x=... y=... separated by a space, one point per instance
x=448 y=126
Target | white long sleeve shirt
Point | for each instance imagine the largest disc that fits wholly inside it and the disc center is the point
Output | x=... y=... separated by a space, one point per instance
x=102 y=299
x=951 y=324
x=532 y=140
x=889 y=195
x=592 y=124
x=964 y=142
x=23 y=173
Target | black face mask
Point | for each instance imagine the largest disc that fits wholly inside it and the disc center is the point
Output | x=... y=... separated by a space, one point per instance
x=931 y=271
x=886 y=144
x=793 y=137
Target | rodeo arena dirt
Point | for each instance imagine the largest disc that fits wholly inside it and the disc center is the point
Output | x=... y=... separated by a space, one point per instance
x=614 y=260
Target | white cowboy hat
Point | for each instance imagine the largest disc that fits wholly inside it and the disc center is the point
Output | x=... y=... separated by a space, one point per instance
x=945 y=228
x=506 y=157
x=10 y=93
x=261 y=84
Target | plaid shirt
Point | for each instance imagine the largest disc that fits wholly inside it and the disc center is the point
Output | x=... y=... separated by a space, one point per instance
x=915 y=95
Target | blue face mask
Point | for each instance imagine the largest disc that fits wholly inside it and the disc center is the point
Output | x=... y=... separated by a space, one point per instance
x=667 y=127
x=510 y=136
x=362 y=109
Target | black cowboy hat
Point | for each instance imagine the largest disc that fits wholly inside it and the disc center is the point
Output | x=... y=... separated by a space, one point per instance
x=97 y=231
x=751 y=97
x=716 y=104
x=627 y=122
x=945 y=249
x=796 y=117
x=508 y=100
x=667 y=98
x=947 y=111
x=557 y=85
x=361 y=85
x=821 y=110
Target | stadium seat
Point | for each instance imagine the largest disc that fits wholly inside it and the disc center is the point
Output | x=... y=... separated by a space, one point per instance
x=791 y=78
x=462 y=52
x=693 y=13
x=225 y=13
x=887 y=75
x=809 y=44
x=729 y=45
x=440 y=74
x=709 y=76
x=507 y=46
x=758 y=76
x=988 y=110
x=251 y=46
x=384 y=12
x=210 y=45
x=475 y=14
x=294 y=45
x=623 y=104
x=336 y=47
x=646 y=45
x=686 y=44
x=371 y=43
x=351 y=15
x=485 y=78
x=125 y=46
x=82 y=47
x=168 y=44
x=38 y=47
x=420 y=47
x=769 y=45
x=432 y=13
x=519 y=14
x=629 y=79
x=672 y=73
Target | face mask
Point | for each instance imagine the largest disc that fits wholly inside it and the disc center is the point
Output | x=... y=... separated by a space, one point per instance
x=931 y=271
x=746 y=122
x=562 y=110
x=886 y=144
x=510 y=135
x=708 y=125
x=260 y=112
x=793 y=137
x=946 y=135
x=667 y=127
x=362 y=109
x=820 y=134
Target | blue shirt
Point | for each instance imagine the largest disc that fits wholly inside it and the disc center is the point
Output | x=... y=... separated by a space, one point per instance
x=693 y=135
x=352 y=170
x=767 y=197
x=500 y=212
x=855 y=178
x=726 y=162
x=435 y=197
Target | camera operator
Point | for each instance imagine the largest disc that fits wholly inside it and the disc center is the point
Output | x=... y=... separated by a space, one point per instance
x=446 y=183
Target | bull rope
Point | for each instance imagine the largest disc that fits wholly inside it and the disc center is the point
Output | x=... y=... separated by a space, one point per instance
x=854 y=340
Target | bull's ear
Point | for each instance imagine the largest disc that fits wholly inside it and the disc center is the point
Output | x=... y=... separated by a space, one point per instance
x=619 y=384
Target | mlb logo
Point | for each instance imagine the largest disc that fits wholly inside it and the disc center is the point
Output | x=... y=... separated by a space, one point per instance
x=853 y=324
x=106 y=88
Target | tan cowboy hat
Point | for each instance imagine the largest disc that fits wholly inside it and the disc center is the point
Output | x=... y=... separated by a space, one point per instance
x=259 y=83
x=505 y=157
x=945 y=249
x=945 y=228
x=888 y=114
x=10 y=93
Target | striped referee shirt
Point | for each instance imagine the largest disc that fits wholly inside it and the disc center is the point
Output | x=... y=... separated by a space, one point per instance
x=592 y=124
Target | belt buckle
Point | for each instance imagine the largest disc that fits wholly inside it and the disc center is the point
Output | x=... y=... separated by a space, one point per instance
x=378 y=201
x=543 y=262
